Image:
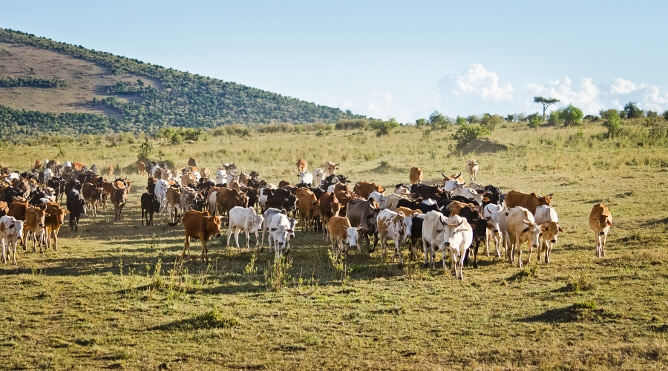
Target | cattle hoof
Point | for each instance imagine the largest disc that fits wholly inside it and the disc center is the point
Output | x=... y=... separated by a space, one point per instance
x=426 y=265
x=460 y=278
x=454 y=274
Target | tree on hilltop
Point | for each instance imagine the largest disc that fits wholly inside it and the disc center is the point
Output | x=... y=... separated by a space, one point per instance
x=546 y=102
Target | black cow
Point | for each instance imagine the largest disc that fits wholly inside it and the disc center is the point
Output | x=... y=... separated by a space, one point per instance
x=362 y=213
x=58 y=185
x=76 y=205
x=413 y=205
x=282 y=199
x=149 y=205
x=424 y=191
x=416 y=234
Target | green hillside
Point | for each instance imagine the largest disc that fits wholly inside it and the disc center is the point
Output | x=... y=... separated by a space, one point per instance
x=134 y=97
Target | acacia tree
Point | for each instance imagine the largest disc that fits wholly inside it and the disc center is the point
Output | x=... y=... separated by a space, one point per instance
x=546 y=102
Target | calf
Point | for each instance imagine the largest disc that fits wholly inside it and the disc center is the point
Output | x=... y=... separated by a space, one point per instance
x=281 y=229
x=547 y=217
x=11 y=231
x=600 y=220
x=200 y=226
x=394 y=226
x=521 y=227
x=342 y=235
x=457 y=239
x=149 y=206
x=173 y=203
x=246 y=219
x=302 y=165
x=34 y=226
x=491 y=214
x=54 y=219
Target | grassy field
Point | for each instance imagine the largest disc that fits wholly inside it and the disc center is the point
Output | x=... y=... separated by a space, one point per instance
x=117 y=295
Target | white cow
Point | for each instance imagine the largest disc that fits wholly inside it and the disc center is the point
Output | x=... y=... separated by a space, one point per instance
x=392 y=200
x=548 y=219
x=161 y=187
x=281 y=229
x=211 y=201
x=306 y=177
x=11 y=231
x=378 y=199
x=433 y=228
x=268 y=215
x=521 y=227
x=492 y=213
x=393 y=226
x=319 y=177
x=471 y=194
x=246 y=219
x=457 y=239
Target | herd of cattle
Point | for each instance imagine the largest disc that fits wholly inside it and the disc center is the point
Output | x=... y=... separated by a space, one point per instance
x=450 y=217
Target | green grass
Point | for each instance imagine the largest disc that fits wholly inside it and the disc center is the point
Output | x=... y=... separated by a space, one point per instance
x=118 y=295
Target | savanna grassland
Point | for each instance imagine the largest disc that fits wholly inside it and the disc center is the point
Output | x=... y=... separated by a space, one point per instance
x=118 y=295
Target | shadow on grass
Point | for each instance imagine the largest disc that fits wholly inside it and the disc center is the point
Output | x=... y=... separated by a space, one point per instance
x=573 y=313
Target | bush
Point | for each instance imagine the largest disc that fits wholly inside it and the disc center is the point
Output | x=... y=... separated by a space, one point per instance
x=472 y=119
x=665 y=115
x=466 y=133
x=553 y=118
x=384 y=127
x=632 y=111
x=461 y=120
x=571 y=115
x=176 y=138
x=145 y=150
x=490 y=121
x=613 y=124
x=606 y=114
x=351 y=124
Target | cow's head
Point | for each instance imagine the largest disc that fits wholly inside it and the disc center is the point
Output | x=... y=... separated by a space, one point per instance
x=534 y=231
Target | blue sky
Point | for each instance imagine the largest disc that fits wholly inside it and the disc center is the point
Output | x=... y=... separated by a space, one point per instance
x=387 y=59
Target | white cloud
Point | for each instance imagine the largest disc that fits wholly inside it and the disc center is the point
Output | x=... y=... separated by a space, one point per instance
x=591 y=98
x=476 y=80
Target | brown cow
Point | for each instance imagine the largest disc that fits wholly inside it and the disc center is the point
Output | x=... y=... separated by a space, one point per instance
x=141 y=168
x=118 y=197
x=200 y=226
x=302 y=165
x=307 y=202
x=78 y=166
x=406 y=211
x=600 y=220
x=173 y=202
x=54 y=219
x=35 y=225
x=38 y=164
x=343 y=194
x=416 y=175
x=227 y=198
x=92 y=195
x=110 y=170
x=364 y=189
x=18 y=210
x=329 y=207
x=205 y=173
x=330 y=168
x=192 y=162
x=342 y=235
x=529 y=201
x=284 y=183
x=4 y=208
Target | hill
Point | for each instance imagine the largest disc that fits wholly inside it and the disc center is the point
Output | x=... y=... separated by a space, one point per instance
x=49 y=87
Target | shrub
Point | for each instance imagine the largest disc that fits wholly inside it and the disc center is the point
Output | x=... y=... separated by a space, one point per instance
x=384 y=127
x=613 y=124
x=145 y=150
x=466 y=133
x=605 y=114
x=553 y=118
x=571 y=115
x=461 y=120
x=490 y=121
x=632 y=111
x=176 y=138
x=472 y=119
x=665 y=115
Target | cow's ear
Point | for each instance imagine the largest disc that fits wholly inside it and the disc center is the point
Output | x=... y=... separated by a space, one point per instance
x=560 y=229
x=543 y=230
x=290 y=231
x=273 y=229
x=609 y=223
x=485 y=199
x=67 y=212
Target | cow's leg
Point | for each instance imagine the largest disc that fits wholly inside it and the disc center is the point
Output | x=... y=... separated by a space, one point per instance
x=397 y=247
x=425 y=246
x=229 y=234
x=205 y=252
x=453 y=265
x=548 y=250
x=518 y=247
x=2 y=242
x=237 y=230
x=461 y=267
x=530 y=250
x=597 y=236
x=186 y=246
x=257 y=241
x=488 y=234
